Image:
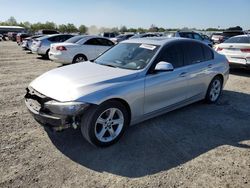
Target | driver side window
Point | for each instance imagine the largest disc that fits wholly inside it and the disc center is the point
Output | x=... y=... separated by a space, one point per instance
x=197 y=37
x=173 y=54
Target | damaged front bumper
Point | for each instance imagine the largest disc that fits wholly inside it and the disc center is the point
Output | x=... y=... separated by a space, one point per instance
x=53 y=121
x=35 y=103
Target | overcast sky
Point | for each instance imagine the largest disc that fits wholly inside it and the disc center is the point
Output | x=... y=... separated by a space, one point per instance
x=131 y=13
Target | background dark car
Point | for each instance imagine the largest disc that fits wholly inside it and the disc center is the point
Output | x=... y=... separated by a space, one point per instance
x=192 y=35
x=47 y=32
x=12 y=36
x=231 y=33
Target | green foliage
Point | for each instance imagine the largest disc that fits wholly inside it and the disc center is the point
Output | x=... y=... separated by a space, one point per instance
x=71 y=28
x=132 y=30
x=141 y=30
x=123 y=29
x=83 y=29
x=214 y=29
x=62 y=28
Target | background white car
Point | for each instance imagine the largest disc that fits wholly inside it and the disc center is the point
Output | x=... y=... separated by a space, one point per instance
x=237 y=50
x=88 y=48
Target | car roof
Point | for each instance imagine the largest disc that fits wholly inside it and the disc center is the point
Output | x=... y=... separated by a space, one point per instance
x=49 y=36
x=157 y=40
x=87 y=37
x=246 y=35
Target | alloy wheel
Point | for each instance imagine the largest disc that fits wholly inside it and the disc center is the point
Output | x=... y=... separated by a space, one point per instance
x=215 y=90
x=109 y=125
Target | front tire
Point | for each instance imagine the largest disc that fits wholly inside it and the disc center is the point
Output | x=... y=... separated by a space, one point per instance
x=104 y=125
x=214 y=90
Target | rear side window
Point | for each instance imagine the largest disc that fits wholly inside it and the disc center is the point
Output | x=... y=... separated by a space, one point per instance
x=244 y=39
x=53 y=39
x=173 y=54
x=193 y=53
x=197 y=36
x=232 y=34
x=186 y=35
x=105 y=42
x=59 y=38
x=63 y=38
x=208 y=53
x=92 y=42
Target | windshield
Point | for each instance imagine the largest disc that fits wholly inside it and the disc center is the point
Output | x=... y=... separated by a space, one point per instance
x=132 y=56
x=244 y=39
x=120 y=36
x=74 y=39
x=231 y=34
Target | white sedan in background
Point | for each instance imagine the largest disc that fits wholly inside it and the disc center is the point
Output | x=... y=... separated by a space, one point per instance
x=237 y=50
x=88 y=48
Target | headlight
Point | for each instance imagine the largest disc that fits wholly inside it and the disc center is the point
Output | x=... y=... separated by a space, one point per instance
x=64 y=108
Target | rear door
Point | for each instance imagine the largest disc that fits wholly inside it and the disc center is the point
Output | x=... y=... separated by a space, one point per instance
x=89 y=48
x=103 y=45
x=198 y=59
x=164 y=89
x=61 y=38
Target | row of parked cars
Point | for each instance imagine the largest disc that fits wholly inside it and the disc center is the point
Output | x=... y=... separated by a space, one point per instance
x=69 y=48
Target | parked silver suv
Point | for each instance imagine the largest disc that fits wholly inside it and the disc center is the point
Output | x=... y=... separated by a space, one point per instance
x=192 y=35
x=135 y=80
x=41 y=45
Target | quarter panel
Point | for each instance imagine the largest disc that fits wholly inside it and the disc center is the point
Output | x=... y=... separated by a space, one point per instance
x=131 y=91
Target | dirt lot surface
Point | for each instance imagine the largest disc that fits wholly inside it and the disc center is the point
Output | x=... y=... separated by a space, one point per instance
x=197 y=146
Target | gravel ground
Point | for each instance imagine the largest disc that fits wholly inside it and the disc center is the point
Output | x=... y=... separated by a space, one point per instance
x=197 y=146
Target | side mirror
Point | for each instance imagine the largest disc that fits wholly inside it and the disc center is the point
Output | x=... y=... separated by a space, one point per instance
x=164 y=66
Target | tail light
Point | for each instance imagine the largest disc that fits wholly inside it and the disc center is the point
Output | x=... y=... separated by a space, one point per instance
x=219 y=49
x=246 y=50
x=61 y=48
x=39 y=43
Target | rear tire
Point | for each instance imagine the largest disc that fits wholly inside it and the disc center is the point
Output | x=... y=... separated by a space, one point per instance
x=79 y=58
x=214 y=90
x=104 y=125
x=47 y=54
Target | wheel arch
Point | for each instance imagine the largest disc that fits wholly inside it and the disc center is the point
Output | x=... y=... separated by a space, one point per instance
x=123 y=102
x=81 y=54
x=220 y=76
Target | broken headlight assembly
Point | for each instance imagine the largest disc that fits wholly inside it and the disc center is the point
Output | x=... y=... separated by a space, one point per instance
x=65 y=108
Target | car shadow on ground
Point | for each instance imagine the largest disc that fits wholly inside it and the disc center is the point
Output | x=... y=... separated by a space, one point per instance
x=240 y=72
x=166 y=141
x=43 y=58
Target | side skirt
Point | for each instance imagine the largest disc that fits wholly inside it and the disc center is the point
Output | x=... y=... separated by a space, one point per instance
x=167 y=109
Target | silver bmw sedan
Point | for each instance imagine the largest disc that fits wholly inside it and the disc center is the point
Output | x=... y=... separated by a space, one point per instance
x=133 y=81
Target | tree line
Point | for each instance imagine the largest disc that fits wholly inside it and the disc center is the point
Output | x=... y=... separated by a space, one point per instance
x=71 y=28
x=34 y=27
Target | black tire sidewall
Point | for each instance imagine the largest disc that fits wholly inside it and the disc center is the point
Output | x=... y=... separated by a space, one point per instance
x=74 y=60
x=90 y=125
x=208 y=99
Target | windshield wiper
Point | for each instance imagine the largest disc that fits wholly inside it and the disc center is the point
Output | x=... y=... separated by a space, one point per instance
x=109 y=65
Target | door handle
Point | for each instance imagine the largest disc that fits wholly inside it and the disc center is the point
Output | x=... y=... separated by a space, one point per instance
x=183 y=74
x=210 y=66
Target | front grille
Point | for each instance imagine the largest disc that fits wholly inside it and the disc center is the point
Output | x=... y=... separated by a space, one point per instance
x=35 y=99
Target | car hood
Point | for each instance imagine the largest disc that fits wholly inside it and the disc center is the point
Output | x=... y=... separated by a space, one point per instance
x=71 y=82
